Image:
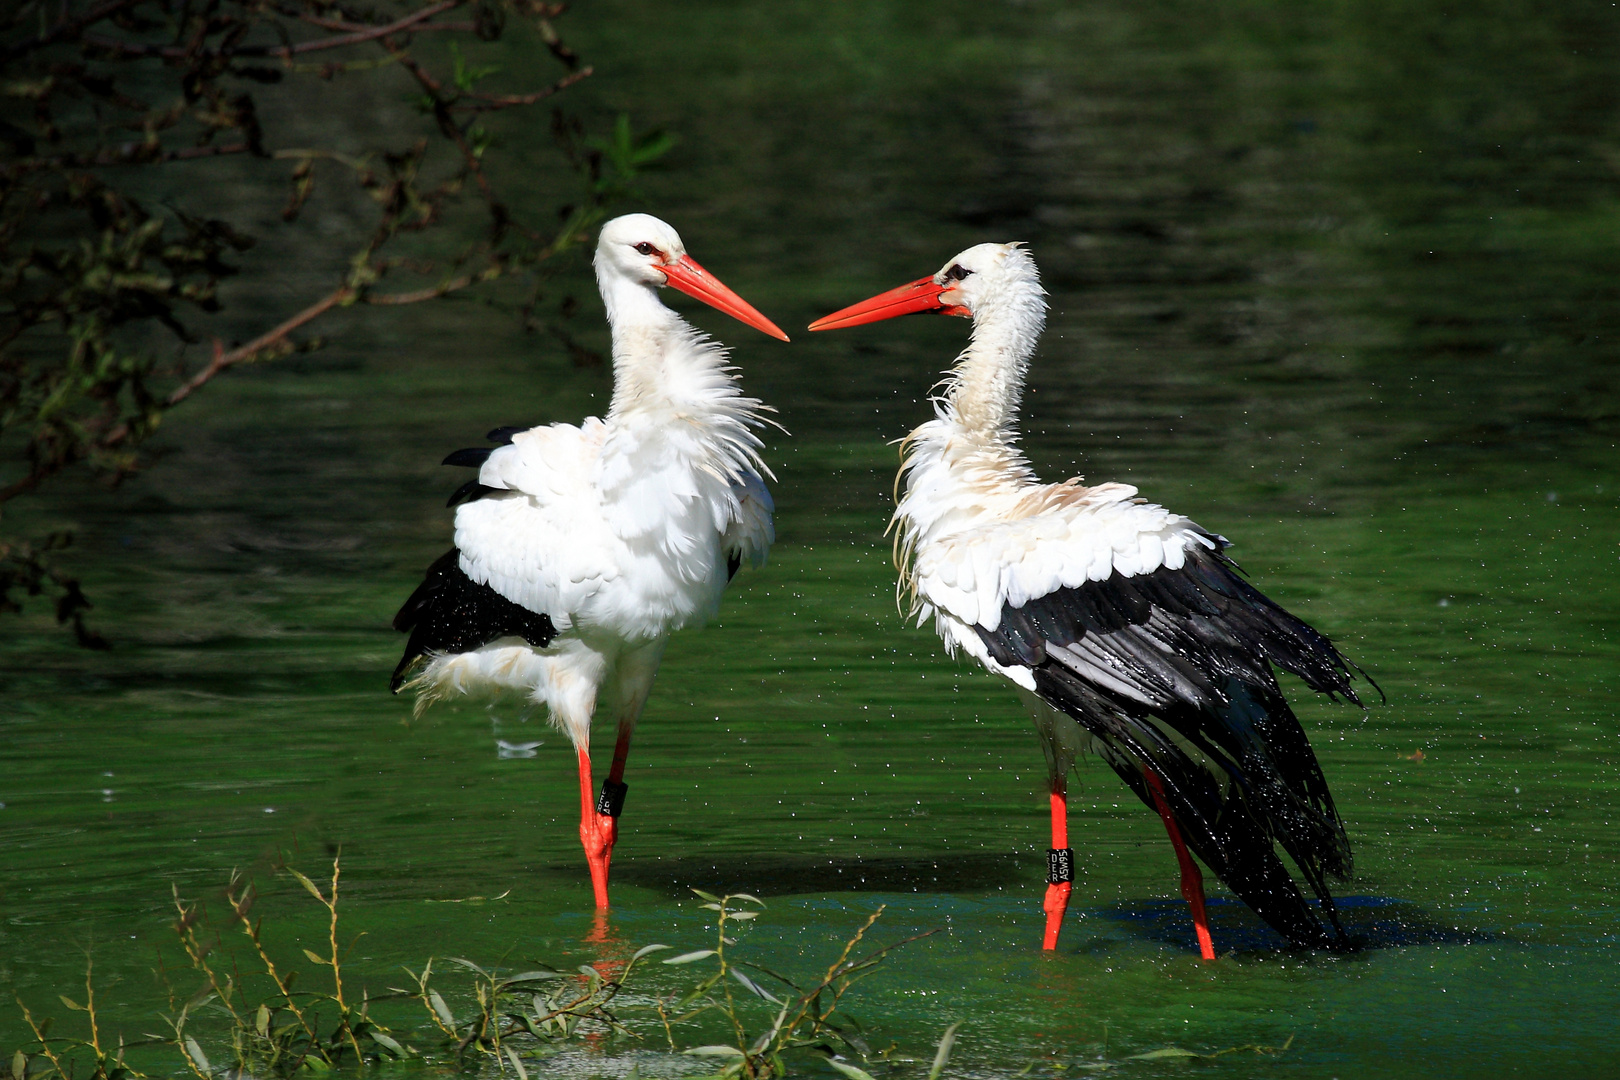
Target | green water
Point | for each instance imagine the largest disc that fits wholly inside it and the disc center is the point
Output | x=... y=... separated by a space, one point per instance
x=1338 y=281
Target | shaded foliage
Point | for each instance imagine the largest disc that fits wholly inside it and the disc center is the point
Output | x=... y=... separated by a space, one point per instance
x=102 y=293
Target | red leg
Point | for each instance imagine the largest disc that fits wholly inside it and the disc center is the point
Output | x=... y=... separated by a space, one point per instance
x=596 y=837
x=599 y=816
x=1060 y=870
x=1192 y=882
x=621 y=753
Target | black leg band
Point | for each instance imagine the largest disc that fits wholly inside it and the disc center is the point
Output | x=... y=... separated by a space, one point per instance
x=611 y=801
x=1059 y=865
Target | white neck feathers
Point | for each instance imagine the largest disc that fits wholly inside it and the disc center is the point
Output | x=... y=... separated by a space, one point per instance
x=983 y=390
x=675 y=385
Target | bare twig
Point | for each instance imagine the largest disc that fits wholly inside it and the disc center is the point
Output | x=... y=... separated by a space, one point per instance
x=493 y=102
x=130 y=153
x=67 y=28
x=282 y=52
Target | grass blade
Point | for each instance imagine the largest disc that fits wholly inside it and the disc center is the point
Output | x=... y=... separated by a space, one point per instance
x=946 y=1041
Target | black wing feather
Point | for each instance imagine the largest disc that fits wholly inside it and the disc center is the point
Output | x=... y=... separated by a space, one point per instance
x=1169 y=671
x=450 y=613
x=469 y=491
x=472 y=457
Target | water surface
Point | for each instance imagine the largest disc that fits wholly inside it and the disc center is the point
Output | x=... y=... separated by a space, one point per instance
x=1340 y=283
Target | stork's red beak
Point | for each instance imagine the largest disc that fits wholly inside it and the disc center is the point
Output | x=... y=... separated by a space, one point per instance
x=687 y=276
x=920 y=295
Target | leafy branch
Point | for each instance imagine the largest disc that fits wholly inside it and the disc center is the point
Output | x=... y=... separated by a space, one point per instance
x=105 y=302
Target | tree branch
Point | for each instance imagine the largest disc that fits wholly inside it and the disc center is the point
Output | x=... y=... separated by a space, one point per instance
x=66 y=28
x=493 y=102
x=284 y=52
x=130 y=153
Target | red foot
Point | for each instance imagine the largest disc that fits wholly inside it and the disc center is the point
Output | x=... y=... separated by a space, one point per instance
x=597 y=834
x=1192 y=882
x=1192 y=890
x=1057 y=902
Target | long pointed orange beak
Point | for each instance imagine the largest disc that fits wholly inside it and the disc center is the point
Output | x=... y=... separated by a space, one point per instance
x=687 y=276
x=919 y=295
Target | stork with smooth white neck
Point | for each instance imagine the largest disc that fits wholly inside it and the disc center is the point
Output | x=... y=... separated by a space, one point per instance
x=580 y=549
x=1125 y=627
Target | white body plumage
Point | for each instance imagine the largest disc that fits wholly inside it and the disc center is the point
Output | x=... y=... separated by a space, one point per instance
x=622 y=530
x=977 y=532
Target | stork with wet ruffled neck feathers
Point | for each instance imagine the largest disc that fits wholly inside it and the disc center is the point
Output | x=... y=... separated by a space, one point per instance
x=1125 y=627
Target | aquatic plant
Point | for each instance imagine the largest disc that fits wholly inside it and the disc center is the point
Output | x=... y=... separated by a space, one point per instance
x=804 y=1018
x=242 y=1013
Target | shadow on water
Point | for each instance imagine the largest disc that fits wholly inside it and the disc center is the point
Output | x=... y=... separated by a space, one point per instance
x=1372 y=922
x=786 y=875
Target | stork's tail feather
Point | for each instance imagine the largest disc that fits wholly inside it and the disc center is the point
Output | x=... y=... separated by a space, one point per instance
x=1232 y=825
x=450 y=613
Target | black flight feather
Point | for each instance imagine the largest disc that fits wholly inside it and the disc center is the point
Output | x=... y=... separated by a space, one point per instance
x=469 y=491
x=451 y=613
x=1169 y=671
x=473 y=456
x=503 y=435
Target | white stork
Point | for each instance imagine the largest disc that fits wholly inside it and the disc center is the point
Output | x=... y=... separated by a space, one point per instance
x=1126 y=628
x=578 y=550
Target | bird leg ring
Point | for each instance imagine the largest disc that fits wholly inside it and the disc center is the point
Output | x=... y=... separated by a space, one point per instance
x=1059 y=871
x=1192 y=882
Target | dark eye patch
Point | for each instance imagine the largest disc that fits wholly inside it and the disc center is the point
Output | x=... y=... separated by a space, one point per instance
x=646 y=248
x=956 y=273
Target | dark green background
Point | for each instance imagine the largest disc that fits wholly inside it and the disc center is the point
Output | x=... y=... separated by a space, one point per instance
x=1337 y=280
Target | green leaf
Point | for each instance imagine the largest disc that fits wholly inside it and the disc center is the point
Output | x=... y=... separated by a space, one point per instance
x=715 y=1051
x=316 y=958
x=19 y=1066
x=70 y=1003
x=750 y=899
x=744 y=916
x=387 y=1043
x=754 y=987
x=850 y=1071
x=530 y=976
x=653 y=145
x=511 y=1055
x=261 y=1020
x=197 y=1055
x=315 y=1064
x=946 y=1041
x=690 y=957
x=441 y=1009
x=1161 y=1055
x=646 y=950
x=309 y=886
x=713 y=899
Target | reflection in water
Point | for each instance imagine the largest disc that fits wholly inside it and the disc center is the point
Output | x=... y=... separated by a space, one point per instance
x=1371 y=922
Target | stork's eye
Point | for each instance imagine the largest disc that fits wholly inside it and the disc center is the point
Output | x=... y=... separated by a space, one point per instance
x=646 y=248
x=956 y=273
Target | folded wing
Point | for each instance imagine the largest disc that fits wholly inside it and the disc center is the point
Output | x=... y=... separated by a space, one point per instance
x=1133 y=621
